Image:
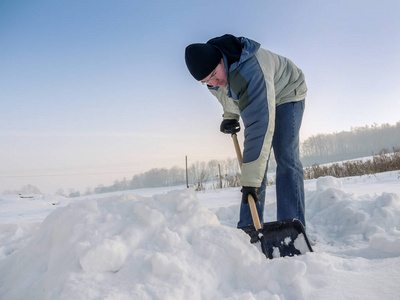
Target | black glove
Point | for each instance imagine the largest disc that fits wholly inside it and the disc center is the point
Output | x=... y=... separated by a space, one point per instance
x=249 y=190
x=230 y=126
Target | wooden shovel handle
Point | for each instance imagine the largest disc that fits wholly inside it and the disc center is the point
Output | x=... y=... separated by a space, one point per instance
x=254 y=213
x=252 y=203
x=237 y=148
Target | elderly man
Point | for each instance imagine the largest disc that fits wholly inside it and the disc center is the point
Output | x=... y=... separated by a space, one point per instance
x=268 y=92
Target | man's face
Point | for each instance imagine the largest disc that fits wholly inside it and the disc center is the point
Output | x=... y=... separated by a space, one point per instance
x=217 y=77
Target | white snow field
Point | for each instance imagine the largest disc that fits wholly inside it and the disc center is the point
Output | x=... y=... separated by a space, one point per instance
x=174 y=243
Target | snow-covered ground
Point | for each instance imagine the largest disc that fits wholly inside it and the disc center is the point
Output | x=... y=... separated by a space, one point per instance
x=174 y=243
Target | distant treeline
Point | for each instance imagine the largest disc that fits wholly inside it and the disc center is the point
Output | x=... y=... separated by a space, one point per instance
x=198 y=174
x=25 y=190
x=359 y=142
x=377 y=164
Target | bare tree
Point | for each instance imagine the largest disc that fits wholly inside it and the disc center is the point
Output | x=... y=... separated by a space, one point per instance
x=200 y=175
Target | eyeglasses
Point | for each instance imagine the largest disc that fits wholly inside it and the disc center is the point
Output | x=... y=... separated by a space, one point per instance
x=213 y=74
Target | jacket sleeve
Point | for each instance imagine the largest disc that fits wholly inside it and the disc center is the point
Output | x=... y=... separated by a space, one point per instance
x=255 y=91
x=229 y=106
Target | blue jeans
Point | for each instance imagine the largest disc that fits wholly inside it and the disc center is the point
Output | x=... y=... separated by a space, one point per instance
x=289 y=170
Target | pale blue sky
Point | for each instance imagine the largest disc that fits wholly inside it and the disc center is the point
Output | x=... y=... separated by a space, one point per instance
x=99 y=89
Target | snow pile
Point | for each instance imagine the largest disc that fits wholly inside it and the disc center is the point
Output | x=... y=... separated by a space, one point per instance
x=130 y=247
x=344 y=220
x=21 y=218
x=183 y=245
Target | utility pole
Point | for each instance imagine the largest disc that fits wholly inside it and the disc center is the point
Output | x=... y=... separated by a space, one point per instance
x=187 y=180
x=220 y=177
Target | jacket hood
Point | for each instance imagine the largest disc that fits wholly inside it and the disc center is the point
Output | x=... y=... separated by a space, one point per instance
x=250 y=48
x=229 y=45
x=235 y=49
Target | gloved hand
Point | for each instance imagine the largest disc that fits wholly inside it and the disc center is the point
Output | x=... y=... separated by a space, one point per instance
x=230 y=126
x=249 y=190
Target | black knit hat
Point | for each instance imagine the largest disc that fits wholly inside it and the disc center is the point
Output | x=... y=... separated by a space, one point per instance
x=202 y=59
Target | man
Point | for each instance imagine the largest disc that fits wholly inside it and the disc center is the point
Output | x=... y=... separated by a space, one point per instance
x=268 y=92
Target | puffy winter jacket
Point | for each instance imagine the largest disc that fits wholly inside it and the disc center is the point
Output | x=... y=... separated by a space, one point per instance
x=258 y=82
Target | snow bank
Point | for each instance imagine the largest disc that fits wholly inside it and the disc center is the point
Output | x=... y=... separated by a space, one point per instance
x=21 y=217
x=342 y=219
x=130 y=247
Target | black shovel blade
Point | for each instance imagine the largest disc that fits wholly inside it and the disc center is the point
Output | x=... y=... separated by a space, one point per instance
x=284 y=238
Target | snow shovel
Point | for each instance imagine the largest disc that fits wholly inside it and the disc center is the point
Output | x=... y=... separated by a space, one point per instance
x=279 y=238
